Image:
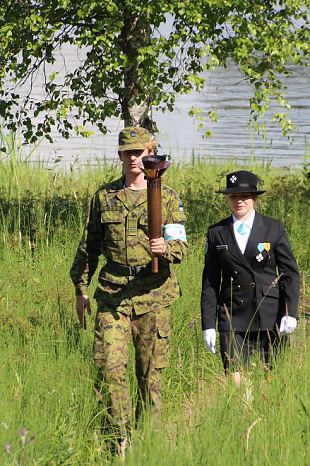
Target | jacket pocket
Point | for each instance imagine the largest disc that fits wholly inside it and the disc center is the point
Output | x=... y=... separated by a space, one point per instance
x=143 y=226
x=113 y=224
x=162 y=343
x=272 y=291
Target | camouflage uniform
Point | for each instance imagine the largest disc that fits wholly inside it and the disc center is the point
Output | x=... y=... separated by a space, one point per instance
x=132 y=302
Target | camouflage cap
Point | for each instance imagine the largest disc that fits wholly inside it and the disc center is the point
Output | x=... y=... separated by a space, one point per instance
x=133 y=138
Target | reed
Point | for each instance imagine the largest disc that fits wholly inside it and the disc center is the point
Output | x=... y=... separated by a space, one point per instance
x=35 y=203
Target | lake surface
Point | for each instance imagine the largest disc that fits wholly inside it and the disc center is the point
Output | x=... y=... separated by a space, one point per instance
x=228 y=94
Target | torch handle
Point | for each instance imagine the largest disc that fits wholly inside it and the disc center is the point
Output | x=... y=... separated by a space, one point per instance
x=154 y=214
x=154 y=264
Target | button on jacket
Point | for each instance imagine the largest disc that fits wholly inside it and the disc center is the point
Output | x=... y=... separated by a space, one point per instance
x=119 y=231
x=249 y=291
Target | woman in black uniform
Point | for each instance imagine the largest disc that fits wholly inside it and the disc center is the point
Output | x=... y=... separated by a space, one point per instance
x=250 y=283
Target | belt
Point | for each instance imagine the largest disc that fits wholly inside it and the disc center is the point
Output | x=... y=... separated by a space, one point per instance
x=125 y=270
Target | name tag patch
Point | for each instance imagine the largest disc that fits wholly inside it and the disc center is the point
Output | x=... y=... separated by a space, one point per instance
x=132 y=226
x=221 y=247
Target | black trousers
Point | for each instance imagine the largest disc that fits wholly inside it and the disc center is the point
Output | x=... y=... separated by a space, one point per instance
x=238 y=347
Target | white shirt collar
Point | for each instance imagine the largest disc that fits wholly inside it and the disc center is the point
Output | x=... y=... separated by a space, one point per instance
x=249 y=221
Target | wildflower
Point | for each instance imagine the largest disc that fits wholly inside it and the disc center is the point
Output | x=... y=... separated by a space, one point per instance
x=7 y=447
x=191 y=323
x=23 y=434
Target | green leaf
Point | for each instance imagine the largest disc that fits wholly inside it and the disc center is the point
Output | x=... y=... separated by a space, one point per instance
x=135 y=52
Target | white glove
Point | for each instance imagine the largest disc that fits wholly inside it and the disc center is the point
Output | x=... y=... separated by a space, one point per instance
x=209 y=338
x=288 y=324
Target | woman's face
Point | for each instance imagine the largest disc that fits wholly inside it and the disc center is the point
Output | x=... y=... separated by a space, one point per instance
x=241 y=204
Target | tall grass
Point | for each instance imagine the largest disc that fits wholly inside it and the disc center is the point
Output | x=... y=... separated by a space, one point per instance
x=35 y=203
x=49 y=414
x=47 y=378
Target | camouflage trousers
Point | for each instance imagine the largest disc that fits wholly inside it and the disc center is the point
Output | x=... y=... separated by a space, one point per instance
x=150 y=334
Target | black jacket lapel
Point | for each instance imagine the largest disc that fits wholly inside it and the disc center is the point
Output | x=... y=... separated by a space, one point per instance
x=228 y=237
x=255 y=237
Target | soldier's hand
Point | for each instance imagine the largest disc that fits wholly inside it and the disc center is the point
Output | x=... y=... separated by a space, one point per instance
x=82 y=305
x=158 y=246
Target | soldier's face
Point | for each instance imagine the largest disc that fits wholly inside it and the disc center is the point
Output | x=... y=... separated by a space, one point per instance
x=241 y=204
x=132 y=160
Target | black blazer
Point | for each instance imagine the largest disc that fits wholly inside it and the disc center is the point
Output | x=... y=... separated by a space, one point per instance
x=247 y=291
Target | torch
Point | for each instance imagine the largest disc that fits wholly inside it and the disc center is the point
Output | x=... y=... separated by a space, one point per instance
x=153 y=167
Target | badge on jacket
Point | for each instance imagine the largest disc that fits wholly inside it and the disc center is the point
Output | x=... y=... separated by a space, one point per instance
x=264 y=249
x=221 y=247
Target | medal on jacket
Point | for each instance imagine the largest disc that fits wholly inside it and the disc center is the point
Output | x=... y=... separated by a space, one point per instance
x=262 y=247
x=259 y=256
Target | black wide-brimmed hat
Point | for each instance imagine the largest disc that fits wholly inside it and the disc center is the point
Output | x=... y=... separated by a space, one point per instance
x=241 y=181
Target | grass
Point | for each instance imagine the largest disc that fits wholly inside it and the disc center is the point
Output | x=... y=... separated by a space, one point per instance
x=47 y=380
x=49 y=414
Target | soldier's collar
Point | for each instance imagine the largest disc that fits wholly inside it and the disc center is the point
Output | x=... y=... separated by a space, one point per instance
x=117 y=185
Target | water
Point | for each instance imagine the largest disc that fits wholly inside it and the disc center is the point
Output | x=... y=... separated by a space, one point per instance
x=228 y=94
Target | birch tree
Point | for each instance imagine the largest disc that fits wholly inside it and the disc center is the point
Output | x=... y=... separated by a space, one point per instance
x=130 y=66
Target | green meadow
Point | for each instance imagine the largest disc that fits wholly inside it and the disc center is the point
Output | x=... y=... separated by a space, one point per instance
x=49 y=413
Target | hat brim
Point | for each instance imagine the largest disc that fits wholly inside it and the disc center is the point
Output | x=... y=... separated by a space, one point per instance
x=237 y=190
x=136 y=146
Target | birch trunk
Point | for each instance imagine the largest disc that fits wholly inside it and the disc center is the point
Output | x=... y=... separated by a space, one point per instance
x=136 y=104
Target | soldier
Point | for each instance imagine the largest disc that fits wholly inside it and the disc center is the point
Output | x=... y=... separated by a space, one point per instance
x=132 y=303
x=250 y=280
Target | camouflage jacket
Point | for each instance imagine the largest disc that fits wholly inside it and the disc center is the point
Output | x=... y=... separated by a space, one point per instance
x=118 y=230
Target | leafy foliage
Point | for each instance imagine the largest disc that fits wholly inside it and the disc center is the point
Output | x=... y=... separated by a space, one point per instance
x=128 y=61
